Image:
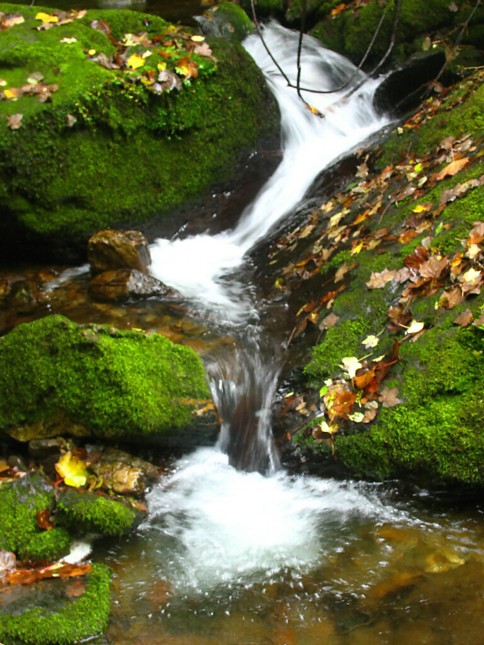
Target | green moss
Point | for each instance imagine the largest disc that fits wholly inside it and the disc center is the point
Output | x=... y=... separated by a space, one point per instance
x=353 y=29
x=437 y=433
x=440 y=441
x=113 y=383
x=131 y=154
x=75 y=620
x=460 y=114
x=344 y=339
x=20 y=502
x=94 y=513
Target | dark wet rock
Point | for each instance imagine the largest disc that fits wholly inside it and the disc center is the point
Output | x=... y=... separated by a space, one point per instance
x=406 y=86
x=112 y=249
x=123 y=284
x=43 y=448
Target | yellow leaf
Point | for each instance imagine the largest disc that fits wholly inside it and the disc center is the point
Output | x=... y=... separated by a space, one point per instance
x=415 y=327
x=357 y=249
x=91 y=52
x=135 y=61
x=72 y=470
x=8 y=94
x=422 y=208
x=418 y=167
x=198 y=39
x=45 y=17
x=161 y=67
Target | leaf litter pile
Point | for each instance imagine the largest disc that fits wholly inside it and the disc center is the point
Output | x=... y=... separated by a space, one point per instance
x=358 y=220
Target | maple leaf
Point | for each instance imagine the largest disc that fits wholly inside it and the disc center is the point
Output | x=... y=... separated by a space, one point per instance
x=204 y=50
x=476 y=235
x=415 y=259
x=470 y=281
x=451 y=298
x=187 y=67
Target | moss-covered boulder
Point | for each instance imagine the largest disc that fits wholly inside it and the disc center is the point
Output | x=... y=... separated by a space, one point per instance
x=85 y=512
x=21 y=504
x=56 y=615
x=393 y=284
x=61 y=378
x=115 y=118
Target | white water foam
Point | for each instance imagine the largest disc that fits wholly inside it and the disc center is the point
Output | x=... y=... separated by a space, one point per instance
x=232 y=527
x=197 y=266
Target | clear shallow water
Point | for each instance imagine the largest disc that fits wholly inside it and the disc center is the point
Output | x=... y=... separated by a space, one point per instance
x=233 y=557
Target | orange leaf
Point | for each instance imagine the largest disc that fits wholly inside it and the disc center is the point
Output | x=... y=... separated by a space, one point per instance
x=452 y=169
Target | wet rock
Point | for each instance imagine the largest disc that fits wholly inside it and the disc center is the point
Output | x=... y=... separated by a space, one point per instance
x=43 y=448
x=111 y=249
x=121 y=472
x=22 y=298
x=123 y=284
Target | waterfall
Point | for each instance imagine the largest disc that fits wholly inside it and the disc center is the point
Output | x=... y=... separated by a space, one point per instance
x=203 y=267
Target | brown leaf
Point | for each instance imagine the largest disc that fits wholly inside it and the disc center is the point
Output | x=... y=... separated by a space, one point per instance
x=389 y=397
x=76 y=588
x=451 y=169
x=433 y=267
x=415 y=259
x=363 y=378
x=451 y=298
x=330 y=321
x=464 y=319
x=476 y=235
x=14 y=121
x=379 y=279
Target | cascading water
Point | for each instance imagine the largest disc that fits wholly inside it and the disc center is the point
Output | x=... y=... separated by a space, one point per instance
x=228 y=522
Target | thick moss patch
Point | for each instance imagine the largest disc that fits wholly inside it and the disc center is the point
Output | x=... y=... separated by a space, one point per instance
x=105 y=149
x=104 y=382
x=67 y=621
x=20 y=502
x=94 y=514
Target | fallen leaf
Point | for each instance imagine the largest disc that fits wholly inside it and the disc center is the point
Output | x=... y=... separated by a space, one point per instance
x=11 y=20
x=135 y=61
x=14 y=121
x=414 y=327
x=351 y=365
x=379 y=279
x=329 y=321
x=464 y=319
x=46 y=17
x=388 y=397
x=452 y=169
x=44 y=520
x=72 y=470
x=370 y=341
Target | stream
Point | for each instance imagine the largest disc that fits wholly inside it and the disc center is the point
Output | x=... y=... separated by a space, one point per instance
x=237 y=551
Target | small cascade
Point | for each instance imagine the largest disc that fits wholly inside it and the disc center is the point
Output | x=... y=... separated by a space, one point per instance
x=207 y=269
